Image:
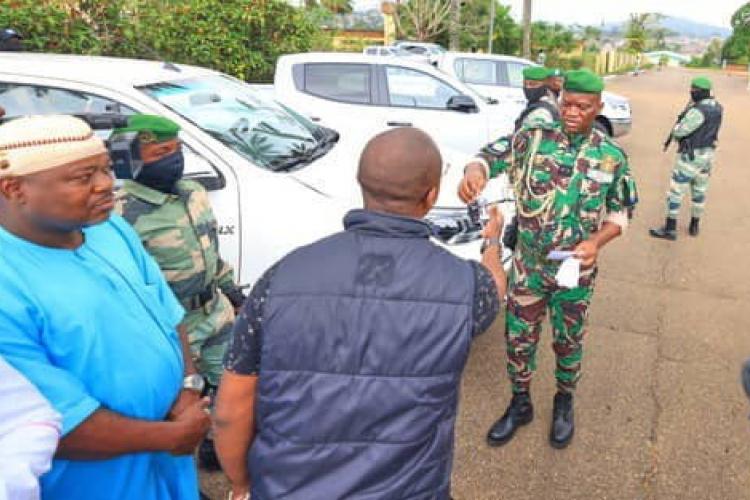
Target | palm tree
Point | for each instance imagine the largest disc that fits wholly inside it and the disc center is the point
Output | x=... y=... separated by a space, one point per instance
x=338 y=6
x=636 y=33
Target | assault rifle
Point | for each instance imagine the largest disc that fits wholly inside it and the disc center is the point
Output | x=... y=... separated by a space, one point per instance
x=670 y=138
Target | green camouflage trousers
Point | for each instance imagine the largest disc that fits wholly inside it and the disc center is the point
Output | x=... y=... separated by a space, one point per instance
x=533 y=290
x=208 y=334
x=693 y=175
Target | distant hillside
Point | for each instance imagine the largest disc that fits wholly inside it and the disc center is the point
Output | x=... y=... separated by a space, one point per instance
x=684 y=27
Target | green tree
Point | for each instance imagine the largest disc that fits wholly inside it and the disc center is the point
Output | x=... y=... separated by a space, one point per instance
x=591 y=37
x=423 y=20
x=637 y=32
x=338 y=6
x=712 y=55
x=553 y=39
x=737 y=47
x=643 y=32
x=475 y=27
x=240 y=37
x=49 y=27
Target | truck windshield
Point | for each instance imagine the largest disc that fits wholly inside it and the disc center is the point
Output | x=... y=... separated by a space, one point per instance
x=258 y=129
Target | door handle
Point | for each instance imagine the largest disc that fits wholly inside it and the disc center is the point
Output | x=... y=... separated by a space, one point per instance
x=399 y=124
x=315 y=119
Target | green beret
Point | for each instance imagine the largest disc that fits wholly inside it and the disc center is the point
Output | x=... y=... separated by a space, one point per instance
x=701 y=82
x=583 y=80
x=556 y=73
x=151 y=128
x=535 y=73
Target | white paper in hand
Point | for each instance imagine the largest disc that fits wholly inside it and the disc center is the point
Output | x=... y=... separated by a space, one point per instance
x=569 y=273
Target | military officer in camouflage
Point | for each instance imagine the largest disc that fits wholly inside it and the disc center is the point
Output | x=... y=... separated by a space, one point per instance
x=542 y=107
x=174 y=220
x=542 y=110
x=555 y=81
x=696 y=132
x=573 y=189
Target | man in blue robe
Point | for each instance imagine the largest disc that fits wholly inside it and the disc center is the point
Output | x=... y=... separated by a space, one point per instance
x=88 y=318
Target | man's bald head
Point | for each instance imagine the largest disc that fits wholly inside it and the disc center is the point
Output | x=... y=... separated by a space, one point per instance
x=399 y=172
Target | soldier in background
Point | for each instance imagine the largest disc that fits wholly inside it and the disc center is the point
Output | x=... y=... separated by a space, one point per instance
x=542 y=108
x=175 y=222
x=697 y=131
x=555 y=81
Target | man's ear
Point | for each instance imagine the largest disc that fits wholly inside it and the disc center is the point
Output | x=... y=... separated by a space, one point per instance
x=11 y=189
x=431 y=198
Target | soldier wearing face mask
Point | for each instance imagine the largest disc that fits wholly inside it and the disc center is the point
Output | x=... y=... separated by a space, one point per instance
x=542 y=111
x=697 y=133
x=542 y=108
x=174 y=220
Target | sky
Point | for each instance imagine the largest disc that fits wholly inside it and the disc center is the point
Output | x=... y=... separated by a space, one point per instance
x=593 y=12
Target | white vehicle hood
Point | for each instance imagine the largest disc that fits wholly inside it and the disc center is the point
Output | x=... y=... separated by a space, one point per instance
x=334 y=175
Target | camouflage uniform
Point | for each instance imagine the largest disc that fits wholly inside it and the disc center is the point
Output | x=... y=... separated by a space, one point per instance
x=180 y=232
x=565 y=187
x=692 y=174
x=541 y=117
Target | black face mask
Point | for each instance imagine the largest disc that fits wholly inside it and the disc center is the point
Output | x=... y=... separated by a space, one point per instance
x=162 y=175
x=699 y=94
x=533 y=95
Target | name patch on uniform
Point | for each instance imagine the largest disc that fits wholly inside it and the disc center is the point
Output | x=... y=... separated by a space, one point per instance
x=600 y=176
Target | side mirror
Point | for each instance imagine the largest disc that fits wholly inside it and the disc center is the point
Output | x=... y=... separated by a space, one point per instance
x=209 y=182
x=462 y=103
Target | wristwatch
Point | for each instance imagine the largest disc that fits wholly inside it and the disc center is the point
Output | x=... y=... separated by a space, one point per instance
x=194 y=382
x=491 y=242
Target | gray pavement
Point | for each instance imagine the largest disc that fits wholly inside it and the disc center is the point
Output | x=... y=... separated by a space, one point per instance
x=660 y=412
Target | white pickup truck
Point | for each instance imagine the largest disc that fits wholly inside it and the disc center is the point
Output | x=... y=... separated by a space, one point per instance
x=501 y=77
x=366 y=95
x=275 y=179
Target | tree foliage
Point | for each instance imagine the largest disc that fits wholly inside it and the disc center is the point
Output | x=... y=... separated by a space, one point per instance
x=642 y=31
x=475 y=28
x=553 y=39
x=423 y=20
x=737 y=47
x=49 y=28
x=240 y=37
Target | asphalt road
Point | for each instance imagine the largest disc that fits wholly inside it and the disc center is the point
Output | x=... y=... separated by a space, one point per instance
x=660 y=412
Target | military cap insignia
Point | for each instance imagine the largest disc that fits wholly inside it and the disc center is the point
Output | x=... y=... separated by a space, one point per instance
x=147 y=136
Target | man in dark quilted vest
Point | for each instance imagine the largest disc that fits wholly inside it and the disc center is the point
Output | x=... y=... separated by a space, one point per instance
x=342 y=377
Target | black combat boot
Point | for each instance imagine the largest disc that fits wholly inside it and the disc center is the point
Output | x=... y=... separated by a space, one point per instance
x=561 y=431
x=694 y=229
x=520 y=412
x=668 y=232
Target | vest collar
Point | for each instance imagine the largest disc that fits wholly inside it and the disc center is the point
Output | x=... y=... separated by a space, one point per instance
x=386 y=225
